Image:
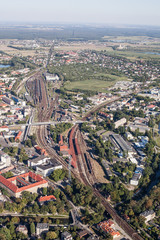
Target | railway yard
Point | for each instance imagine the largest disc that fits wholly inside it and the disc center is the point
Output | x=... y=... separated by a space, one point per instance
x=80 y=159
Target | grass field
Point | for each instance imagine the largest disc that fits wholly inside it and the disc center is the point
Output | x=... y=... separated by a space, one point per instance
x=92 y=85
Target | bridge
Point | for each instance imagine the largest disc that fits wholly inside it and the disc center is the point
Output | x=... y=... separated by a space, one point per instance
x=45 y=123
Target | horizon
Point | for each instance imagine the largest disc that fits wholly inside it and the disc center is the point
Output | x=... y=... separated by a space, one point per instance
x=104 y=12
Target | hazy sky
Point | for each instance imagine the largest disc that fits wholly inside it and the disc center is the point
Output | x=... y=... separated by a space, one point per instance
x=145 y=12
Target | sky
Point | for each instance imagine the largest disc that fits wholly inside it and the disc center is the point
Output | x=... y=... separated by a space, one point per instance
x=141 y=12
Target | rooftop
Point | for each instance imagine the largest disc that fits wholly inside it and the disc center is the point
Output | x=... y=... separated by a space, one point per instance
x=35 y=181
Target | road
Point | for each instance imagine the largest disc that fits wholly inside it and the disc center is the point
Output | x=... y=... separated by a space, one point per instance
x=45 y=123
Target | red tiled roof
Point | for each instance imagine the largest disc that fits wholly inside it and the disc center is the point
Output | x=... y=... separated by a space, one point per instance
x=46 y=198
x=8 y=182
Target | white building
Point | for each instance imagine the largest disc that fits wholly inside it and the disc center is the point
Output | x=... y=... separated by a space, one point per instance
x=52 y=77
x=120 y=122
x=46 y=169
x=37 y=161
x=66 y=236
x=148 y=215
x=41 y=228
x=5 y=160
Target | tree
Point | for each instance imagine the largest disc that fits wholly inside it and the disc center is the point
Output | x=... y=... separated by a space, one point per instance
x=51 y=235
x=21 y=235
x=44 y=191
x=6 y=232
x=32 y=228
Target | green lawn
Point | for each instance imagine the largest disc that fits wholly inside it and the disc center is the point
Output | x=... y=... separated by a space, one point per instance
x=93 y=85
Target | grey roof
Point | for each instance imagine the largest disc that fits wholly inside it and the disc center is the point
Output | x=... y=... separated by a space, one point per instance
x=45 y=167
x=66 y=234
x=121 y=142
x=36 y=160
x=54 y=162
x=42 y=225
x=147 y=213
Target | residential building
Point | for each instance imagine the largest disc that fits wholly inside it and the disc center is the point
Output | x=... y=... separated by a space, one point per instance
x=8 y=100
x=41 y=228
x=148 y=215
x=44 y=199
x=22 y=228
x=108 y=227
x=120 y=122
x=66 y=236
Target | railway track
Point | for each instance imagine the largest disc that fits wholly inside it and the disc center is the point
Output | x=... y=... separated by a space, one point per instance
x=84 y=170
x=88 y=177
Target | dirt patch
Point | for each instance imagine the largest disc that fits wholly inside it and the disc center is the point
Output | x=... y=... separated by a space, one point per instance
x=98 y=170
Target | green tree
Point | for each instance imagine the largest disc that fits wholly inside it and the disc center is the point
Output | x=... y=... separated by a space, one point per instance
x=51 y=235
x=32 y=228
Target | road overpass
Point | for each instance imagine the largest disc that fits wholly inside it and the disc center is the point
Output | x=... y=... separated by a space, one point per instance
x=45 y=123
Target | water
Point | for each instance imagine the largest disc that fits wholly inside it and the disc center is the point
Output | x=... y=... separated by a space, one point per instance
x=4 y=66
x=153 y=53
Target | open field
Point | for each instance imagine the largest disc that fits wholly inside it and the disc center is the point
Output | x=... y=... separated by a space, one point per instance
x=12 y=51
x=87 y=46
x=92 y=85
x=134 y=55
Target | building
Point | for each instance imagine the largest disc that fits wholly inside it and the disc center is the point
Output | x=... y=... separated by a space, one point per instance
x=136 y=176
x=18 y=135
x=120 y=122
x=30 y=182
x=4 y=129
x=148 y=215
x=46 y=169
x=108 y=227
x=108 y=171
x=22 y=228
x=37 y=161
x=8 y=100
x=52 y=77
x=93 y=237
x=120 y=143
x=66 y=236
x=41 y=228
x=45 y=199
x=5 y=160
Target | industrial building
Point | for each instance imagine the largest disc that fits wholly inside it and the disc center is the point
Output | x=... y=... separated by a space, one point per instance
x=120 y=143
x=30 y=182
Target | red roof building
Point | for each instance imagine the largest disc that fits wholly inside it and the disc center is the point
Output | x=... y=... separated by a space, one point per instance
x=18 y=135
x=46 y=199
x=25 y=182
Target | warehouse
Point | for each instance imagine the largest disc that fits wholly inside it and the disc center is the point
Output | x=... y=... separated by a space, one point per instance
x=120 y=143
